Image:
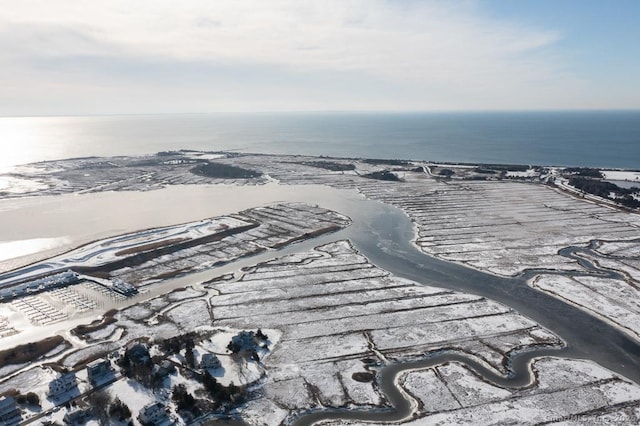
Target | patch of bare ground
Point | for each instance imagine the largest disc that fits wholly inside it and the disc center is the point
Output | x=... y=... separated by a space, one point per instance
x=31 y=351
x=107 y=319
x=150 y=247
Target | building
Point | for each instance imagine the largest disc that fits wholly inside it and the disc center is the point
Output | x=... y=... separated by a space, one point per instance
x=9 y=413
x=209 y=361
x=47 y=282
x=123 y=288
x=165 y=368
x=153 y=414
x=62 y=384
x=75 y=417
x=138 y=354
x=98 y=371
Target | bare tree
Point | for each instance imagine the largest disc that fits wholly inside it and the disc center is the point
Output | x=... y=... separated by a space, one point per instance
x=99 y=403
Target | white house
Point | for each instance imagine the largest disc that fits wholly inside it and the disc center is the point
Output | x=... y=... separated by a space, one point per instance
x=153 y=414
x=98 y=370
x=75 y=417
x=62 y=384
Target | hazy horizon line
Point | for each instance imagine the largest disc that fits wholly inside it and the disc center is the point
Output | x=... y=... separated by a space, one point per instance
x=332 y=111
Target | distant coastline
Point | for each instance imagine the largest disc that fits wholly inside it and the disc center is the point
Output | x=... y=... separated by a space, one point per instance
x=602 y=139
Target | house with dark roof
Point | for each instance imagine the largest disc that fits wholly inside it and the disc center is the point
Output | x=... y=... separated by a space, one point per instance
x=209 y=360
x=9 y=413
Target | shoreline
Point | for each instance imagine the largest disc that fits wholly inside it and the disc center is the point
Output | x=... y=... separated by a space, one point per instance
x=8 y=169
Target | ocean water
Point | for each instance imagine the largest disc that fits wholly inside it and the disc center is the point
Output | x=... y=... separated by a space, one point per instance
x=595 y=139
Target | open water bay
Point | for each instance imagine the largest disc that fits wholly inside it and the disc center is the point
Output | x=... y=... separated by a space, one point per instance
x=606 y=139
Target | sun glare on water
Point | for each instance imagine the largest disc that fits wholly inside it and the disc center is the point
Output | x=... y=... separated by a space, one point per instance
x=13 y=249
x=28 y=139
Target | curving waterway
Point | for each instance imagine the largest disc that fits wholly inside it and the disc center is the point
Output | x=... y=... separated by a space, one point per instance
x=403 y=406
x=383 y=234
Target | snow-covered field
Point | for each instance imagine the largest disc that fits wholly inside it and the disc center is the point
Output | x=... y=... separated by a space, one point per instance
x=568 y=391
x=622 y=175
x=330 y=316
x=504 y=227
x=499 y=226
x=612 y=299
x=334 y=319
x=376 y=318
x=264 y=228
x=276 y=225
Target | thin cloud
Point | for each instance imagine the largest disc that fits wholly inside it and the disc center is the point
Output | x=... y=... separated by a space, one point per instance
x=433 y=46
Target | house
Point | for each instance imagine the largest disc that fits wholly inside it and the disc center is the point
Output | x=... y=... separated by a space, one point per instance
x=164 y=369
x=138 y=354
x=98 y=370
x=123 y=288
x=75 y=417
x=62 y=384
x=153 y=414
x=9 y=413
x=209 y=361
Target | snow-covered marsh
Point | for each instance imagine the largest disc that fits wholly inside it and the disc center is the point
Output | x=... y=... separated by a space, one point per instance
x=566 y=389
x=330 y=320
x=612 y=299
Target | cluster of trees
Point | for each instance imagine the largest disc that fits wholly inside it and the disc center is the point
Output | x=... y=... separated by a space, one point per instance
x=383 y=175
x=105 y=409
x=30 y=398
x=583 y=171
x=593 y=186
x=386 y=162
x=330 y=165
x=175 y=344
x=261 y=336
x=189 y=356
x=184 y=400
x=119 y=410
x=484 y=171
x=248 y=342
x=220 y=393
x=224 y=171
x=508 y=167
x=221 y=396
x=446 y=172
x=629 y=201
x=139 y=366
x=604 y=189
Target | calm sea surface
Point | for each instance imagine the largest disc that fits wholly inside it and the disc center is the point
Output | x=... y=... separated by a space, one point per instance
x=599 y=139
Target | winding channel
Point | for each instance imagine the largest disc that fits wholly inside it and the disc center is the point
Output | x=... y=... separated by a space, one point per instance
x=384 y=235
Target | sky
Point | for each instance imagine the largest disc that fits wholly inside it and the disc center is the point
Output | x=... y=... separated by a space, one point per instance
x=77 y=57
